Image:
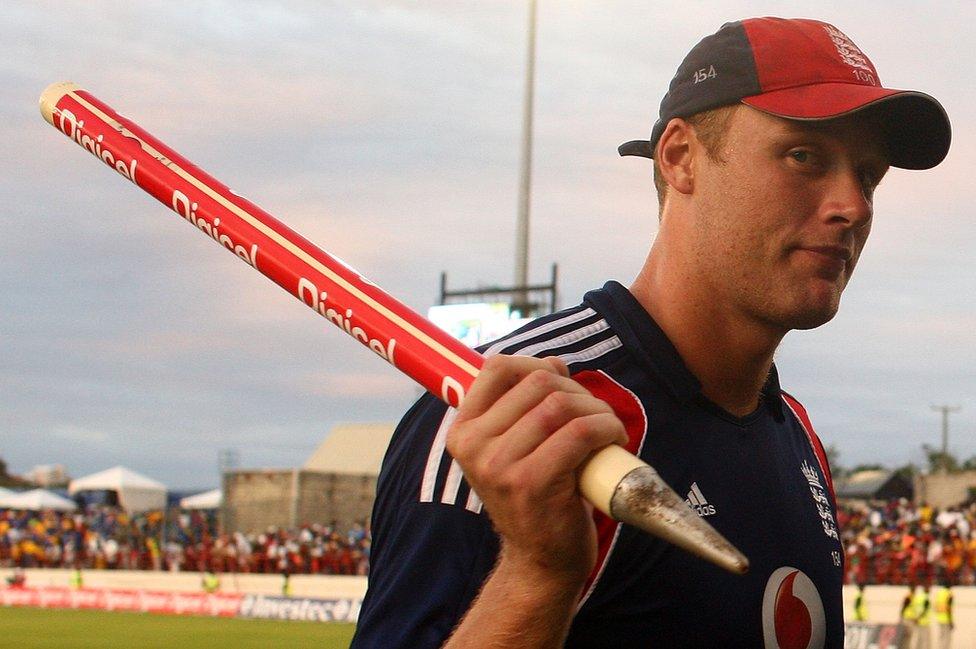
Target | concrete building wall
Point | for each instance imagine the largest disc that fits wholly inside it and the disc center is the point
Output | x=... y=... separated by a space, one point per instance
x=326 y=497
x=257 y=499
x=944 y=489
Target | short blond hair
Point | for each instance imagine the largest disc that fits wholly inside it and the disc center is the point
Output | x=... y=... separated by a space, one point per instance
x=711 y=127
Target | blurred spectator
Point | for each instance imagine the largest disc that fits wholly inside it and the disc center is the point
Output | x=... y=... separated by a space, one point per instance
x=105 y=537
x=888 y=543
x=898 y=544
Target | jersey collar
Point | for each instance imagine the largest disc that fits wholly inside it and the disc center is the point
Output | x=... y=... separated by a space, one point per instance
x=655 y=351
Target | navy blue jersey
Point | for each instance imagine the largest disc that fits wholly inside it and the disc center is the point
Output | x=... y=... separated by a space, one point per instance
x=760 y=480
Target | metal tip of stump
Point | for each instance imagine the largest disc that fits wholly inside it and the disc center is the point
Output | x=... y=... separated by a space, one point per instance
x=644 y=500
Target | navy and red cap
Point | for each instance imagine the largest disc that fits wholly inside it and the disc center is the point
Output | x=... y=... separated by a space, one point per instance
x=805 y=70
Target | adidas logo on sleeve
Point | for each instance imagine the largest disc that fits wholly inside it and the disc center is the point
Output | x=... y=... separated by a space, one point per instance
x=696 y=500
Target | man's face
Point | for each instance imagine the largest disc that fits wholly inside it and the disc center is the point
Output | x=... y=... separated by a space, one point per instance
x=783 y=213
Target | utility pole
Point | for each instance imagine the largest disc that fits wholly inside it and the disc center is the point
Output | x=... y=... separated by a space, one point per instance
x=945 y=410
x=228 y=459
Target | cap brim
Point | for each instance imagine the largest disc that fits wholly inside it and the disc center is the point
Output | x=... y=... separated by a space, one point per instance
x=915 y=125
x=636 y=147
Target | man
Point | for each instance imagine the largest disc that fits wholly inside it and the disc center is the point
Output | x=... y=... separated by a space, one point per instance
x=923 y=617
x=860 y=604
x=769 y=144
x=943 y=613
x=909 y=615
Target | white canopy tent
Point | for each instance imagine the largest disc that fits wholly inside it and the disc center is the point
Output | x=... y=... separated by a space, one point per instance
x=206 y=500
x=136 y=492
x=36 y=500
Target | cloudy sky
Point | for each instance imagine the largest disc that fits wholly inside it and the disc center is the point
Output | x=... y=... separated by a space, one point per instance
x=388 y=133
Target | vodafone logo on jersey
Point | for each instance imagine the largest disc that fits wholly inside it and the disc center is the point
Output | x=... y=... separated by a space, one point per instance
x=792 y=612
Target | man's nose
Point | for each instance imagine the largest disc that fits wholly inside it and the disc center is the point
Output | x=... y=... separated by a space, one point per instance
x=848 y=199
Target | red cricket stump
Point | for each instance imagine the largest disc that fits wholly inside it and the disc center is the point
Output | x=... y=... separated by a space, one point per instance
x=614 y=481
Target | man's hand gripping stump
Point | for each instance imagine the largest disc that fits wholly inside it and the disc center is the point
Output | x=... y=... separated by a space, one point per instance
x=522 y=435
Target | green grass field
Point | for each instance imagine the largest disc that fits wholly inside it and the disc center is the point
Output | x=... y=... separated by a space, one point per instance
x=26 y=628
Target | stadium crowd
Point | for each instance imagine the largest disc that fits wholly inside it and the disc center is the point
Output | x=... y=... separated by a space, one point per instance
x=892 y=543
x=103 y=537
x=896 y=543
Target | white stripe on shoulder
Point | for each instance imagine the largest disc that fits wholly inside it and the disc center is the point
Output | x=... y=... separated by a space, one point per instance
x=452 y=484
x=566 y=339
x=538 y=331
x=434 y=457
x=474 y=502
x=592 y=352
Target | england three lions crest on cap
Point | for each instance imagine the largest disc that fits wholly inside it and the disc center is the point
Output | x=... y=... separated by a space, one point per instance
x=849 y=52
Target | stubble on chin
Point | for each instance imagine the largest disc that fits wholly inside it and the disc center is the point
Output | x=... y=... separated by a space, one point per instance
x=786 y=308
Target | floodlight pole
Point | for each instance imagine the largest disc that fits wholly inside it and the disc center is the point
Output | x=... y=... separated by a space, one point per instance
x=533 y=307
x=522 y=224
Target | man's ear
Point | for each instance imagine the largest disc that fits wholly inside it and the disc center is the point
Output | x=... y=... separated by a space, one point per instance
x=674 y=155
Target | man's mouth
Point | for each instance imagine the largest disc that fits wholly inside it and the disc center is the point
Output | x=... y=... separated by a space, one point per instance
x=829 y=260
x=839 y=252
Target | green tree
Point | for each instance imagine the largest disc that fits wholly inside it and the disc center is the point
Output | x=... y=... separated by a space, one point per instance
x=907 y=472
x=833 y=460
x=939 y=461
x=7 y=480
x=868 y=467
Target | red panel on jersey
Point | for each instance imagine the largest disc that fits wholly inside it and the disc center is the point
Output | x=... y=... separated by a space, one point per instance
x=630 y=411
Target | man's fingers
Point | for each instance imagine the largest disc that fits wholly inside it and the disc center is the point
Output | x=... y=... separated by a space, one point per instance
x=501 y=373
x=566 y=450
x=530 y=393
x=498 y=375
x=554 y=411
x=537 y=381
x=557 y=365
x=526 y=426
x=509 y=386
